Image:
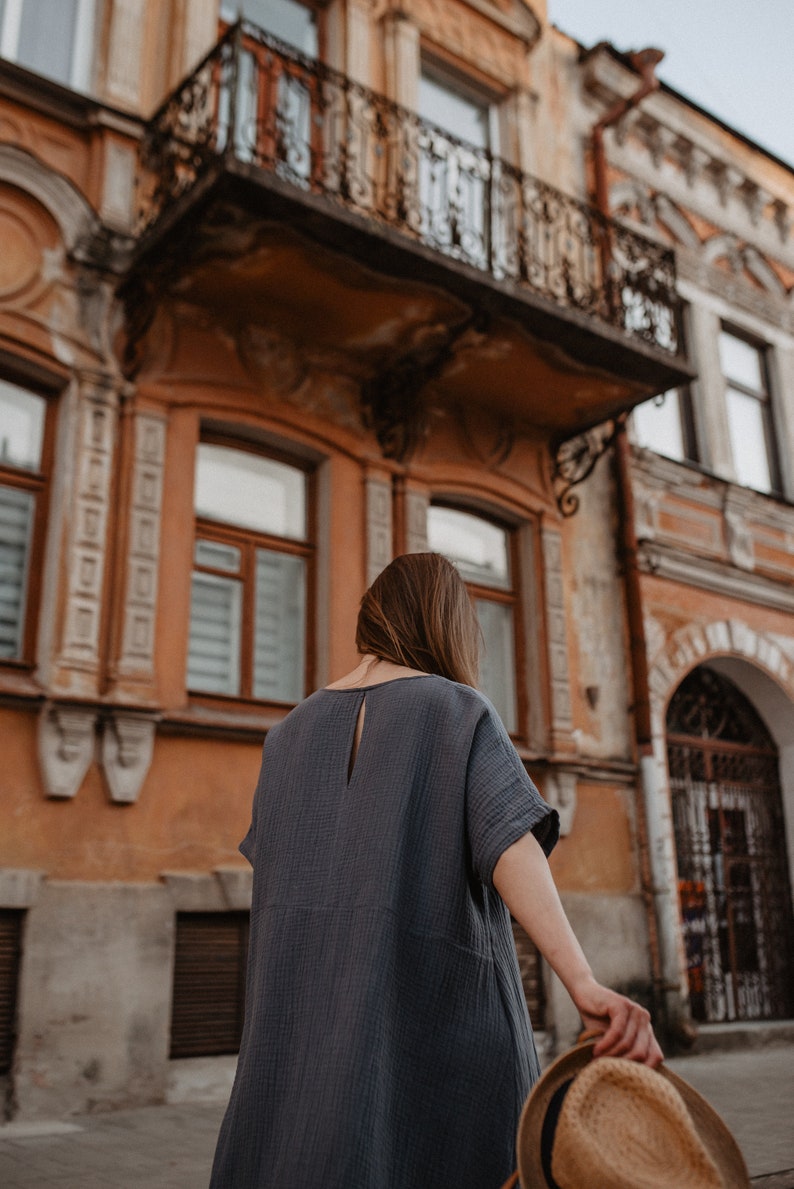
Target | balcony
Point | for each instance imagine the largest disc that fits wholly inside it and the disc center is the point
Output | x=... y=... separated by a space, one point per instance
x=543 y=307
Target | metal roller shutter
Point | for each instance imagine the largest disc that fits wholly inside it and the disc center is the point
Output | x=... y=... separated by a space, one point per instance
x=209 y=983
x=10 y=951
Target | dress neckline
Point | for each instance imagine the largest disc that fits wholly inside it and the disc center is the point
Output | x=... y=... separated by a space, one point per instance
x=357 y=689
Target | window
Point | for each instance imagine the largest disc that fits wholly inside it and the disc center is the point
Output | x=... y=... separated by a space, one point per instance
x=53 y=37
x=453 y=177
x=286 y=131
x=22 y=490
x=251 y=576
x=208 y=999
x=749 y=413
x=290 y=21
x=482 y=551
x=665 y=424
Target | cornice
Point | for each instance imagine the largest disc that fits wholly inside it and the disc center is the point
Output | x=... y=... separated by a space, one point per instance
x=664 y=561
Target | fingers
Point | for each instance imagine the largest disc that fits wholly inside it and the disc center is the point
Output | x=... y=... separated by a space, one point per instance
x=629 y=1034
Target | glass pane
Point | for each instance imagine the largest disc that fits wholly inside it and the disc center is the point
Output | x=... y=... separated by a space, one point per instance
x=748 y=441
x=46 y=37
x=497 y=664
x=478 y=548
x=741 y=362
x=251 y=491
x=217 y=556
x=286 y=19
x=279 y=631
x=454 y=112
x=657 y=425
x=16 y=520
x=214 y=654
x=21 y=426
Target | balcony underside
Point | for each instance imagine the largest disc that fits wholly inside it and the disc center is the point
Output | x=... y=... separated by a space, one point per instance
x=251 y=247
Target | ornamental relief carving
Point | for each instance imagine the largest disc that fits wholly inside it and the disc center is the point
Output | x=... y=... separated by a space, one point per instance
x=721 y=261
x=692 y=175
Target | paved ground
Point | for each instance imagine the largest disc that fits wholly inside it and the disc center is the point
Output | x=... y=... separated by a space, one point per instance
x=170 y=1147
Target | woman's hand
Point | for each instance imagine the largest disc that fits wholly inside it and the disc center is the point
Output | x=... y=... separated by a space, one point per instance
x=625 y=1026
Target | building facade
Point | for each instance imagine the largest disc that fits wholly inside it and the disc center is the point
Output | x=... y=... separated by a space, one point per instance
x=710 y=484
x=284 y=296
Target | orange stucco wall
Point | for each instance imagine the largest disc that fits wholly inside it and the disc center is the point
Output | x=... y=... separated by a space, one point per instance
x=193 y=810
x=598 y=854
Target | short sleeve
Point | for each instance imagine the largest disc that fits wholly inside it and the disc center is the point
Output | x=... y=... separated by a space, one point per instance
x=502 y=803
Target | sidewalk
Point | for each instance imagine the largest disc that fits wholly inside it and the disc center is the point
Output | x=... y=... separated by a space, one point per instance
x=171 y=1146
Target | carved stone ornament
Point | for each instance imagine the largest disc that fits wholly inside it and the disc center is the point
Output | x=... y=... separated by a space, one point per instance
x=127 y=747
x=66 y=737
x=559 y=790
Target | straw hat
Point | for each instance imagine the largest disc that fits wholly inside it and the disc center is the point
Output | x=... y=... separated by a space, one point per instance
x=610 y=1123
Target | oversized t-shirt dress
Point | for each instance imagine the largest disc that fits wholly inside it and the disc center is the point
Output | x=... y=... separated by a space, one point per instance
x=386 y=1042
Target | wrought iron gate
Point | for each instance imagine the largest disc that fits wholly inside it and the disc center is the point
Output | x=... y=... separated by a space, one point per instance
x=734 y=890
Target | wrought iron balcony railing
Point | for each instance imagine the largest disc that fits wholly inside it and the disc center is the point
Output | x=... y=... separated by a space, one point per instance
x=261 y=102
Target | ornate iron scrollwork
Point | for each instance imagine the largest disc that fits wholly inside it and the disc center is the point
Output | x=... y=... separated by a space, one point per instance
x=576 y=458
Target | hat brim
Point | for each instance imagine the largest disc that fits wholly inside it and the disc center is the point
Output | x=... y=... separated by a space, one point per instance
x=716 y=1137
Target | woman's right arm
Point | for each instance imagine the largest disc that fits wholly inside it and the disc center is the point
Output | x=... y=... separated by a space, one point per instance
x=523 y=879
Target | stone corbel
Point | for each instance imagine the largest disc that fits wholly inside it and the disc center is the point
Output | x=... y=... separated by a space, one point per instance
x=127 y=748
x=782 y=217
x=66 y=738
x=754 y=198
x=559 y=790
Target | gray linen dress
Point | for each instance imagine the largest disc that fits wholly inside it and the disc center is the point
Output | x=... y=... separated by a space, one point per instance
x=386 y=1042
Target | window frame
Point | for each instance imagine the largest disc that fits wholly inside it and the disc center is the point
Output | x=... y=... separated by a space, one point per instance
x=765 y=399
x=511 y=596
x=81 y=65
x=39 y=484
x=248 y=541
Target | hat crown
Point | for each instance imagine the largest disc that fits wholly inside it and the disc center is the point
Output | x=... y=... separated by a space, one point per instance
x=624 y=1126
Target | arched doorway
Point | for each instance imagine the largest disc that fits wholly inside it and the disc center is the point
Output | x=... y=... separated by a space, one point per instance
x=734 y=890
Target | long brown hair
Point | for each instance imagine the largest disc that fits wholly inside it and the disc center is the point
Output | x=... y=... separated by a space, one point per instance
x=418 y=613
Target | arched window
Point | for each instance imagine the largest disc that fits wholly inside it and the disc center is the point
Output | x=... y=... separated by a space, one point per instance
x=734 y=889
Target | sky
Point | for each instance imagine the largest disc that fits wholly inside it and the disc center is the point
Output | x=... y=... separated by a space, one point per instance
x=733 y=57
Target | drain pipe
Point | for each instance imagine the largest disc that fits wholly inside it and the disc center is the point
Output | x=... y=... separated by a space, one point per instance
x=645 y=63
x=661 y=915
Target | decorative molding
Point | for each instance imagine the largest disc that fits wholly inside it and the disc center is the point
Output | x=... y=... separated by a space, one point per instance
x=379 y=527
x=127 y=749
x=695 y=643
x=66 y=743
x=392 y=401
x=65 y=203
x=96 y=411
x=716 y=577
x=557 y=635
x=739 y=539
x=137 y=649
